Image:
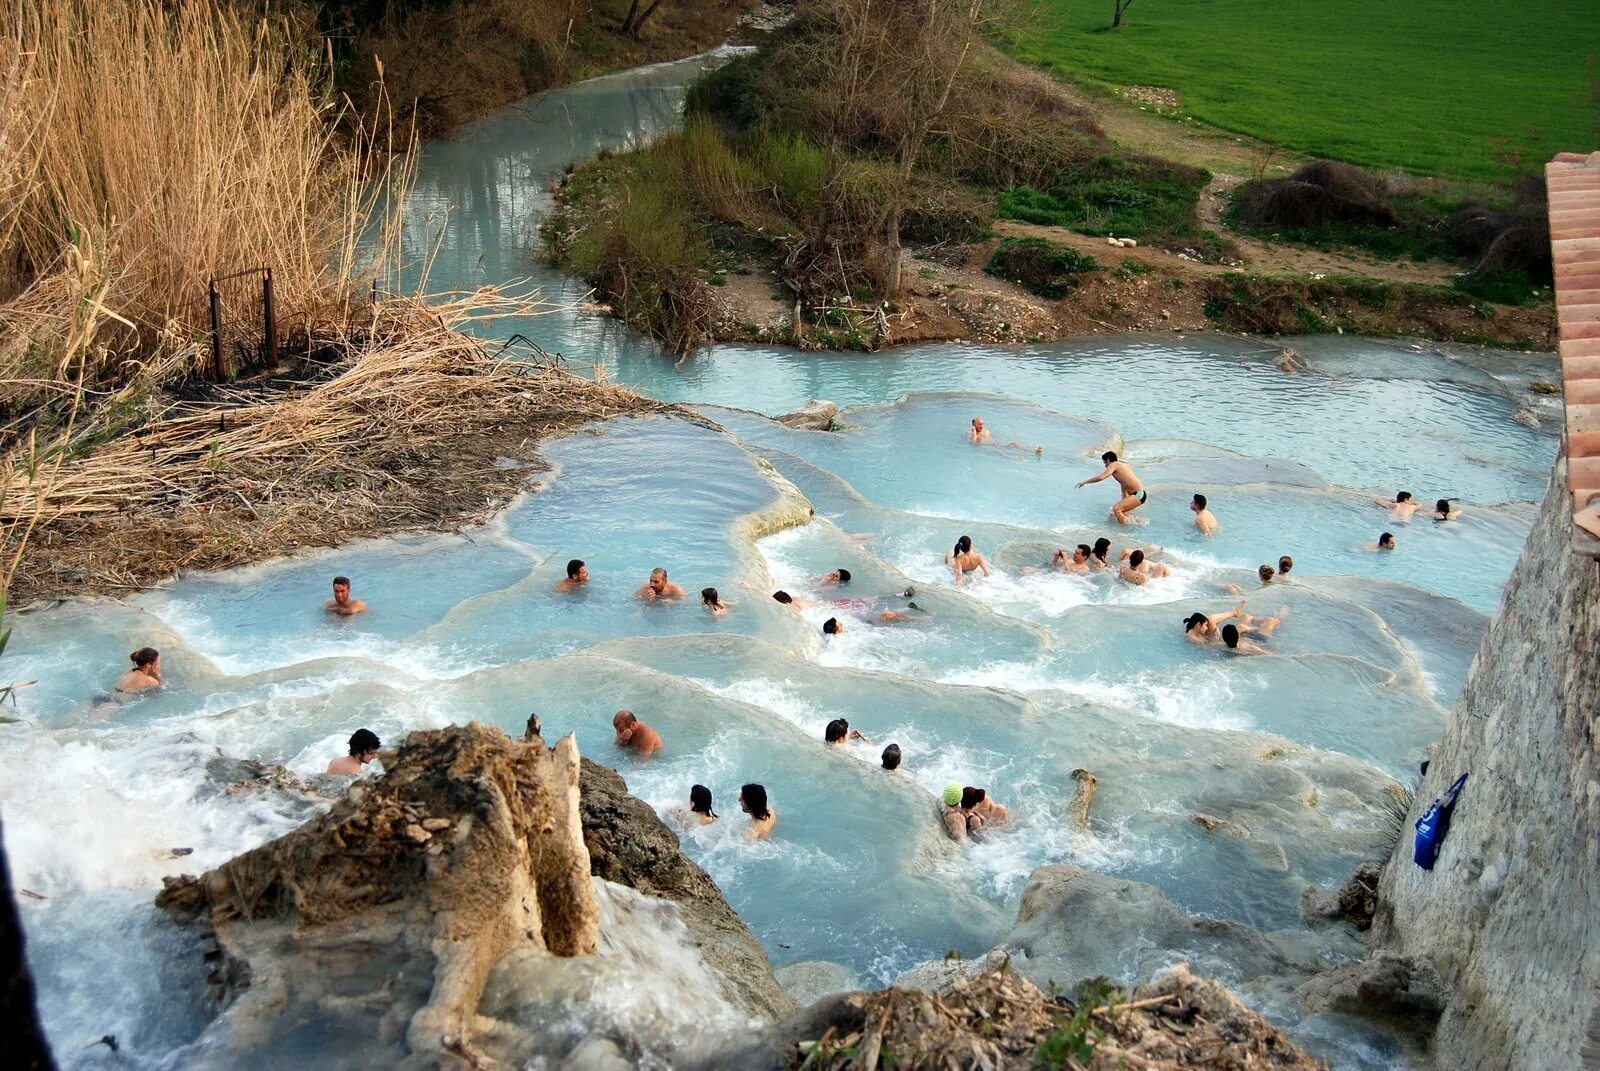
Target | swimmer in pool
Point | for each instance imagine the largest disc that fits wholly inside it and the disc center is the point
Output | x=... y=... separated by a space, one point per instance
x=963 y=559
x=145 y=674
x=341 y=603
x=659 y=587
x=788 y=600
x=891 y=757
x=1385 y=542
x=1133 y=492
x=1203 y=629
x=981 y=436
x=1204 y=519
x=955 y=823
x=635 y=734
x=1401 y=508
x=838 y=731
x=1266 y=573
x=577 y=576
x=1098 y=556
x=1140 y=571
x=837 y=578
x=1234 y=643
x=753 y=802
x=1285 y=567
x=1444 y=511
x=713 y=602
x=364 y=745
x=1077 y=563
x=975 y=802
x=700 y=812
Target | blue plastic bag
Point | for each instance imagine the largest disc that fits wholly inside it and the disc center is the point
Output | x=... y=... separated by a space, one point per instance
x=1434 y=824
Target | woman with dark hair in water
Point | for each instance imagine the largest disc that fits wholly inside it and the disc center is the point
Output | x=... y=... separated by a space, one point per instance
x=700 y=804
x=963 y=559
x=713 y=602
x=753 y=802
x=1098 y=555
x=1443 y=511
x=145 y=674
x=838 y=731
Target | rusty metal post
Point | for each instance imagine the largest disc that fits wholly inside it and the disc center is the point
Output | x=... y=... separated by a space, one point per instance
x=216 y=330
x=269 y=312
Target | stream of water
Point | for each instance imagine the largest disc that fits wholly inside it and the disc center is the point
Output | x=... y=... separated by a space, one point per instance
x=1009 y=682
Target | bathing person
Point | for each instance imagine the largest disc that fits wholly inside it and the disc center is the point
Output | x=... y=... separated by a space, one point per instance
x=145 y=674
x=1443 y=511
x=1133 y=493
x=891 y=757
x=788 y=600
x=832 y=627
x=1385 y=542
x=980 y=434
x=753 y=802
x=1202 y=629
x=1260 y=624
x=1401 y=508
x=577 y=576
x=1140 y=571
x=341 y=603
x=659 y=587
x=838 y=731
x=1097 y=556
x=835 y=579
x=1267 y=574
x=1078 y=563
x=963 y=559
x=700 y=812
x=1237 y=644
x=713 y=602
x=955 y=822
x=364 y=745
x=975 y=803
x=1204 y=519
x=631 y=732
x=1285 y=567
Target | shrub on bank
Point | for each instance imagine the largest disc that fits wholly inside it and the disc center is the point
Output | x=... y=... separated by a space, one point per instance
x=1046 y=268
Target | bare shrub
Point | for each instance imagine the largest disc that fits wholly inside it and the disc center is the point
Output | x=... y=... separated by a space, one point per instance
x=1321 y=192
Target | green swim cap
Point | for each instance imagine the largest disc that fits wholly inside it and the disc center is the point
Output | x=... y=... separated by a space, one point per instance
x=952 y=794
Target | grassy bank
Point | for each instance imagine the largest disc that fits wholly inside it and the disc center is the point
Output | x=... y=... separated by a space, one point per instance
x=1445 y=87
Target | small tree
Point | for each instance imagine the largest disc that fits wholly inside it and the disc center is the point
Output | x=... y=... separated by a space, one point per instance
x=638 y=14
x=1122 y=5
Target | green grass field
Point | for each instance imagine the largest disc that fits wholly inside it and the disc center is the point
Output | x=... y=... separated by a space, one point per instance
x=1427 y=85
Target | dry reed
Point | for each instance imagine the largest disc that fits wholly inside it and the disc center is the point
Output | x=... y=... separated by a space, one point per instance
x=167 y=144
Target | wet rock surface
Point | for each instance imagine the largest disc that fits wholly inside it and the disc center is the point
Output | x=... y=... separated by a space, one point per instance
x=1354 y=902
x=630 y=845
x=813 y=416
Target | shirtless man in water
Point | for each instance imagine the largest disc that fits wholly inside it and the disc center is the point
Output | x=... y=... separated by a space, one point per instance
x=1077 y=563
x=577 y=576
x=659 y=587
x=1401 y=508
x=341 y=603
x=1204 y=519
x=364 y=745
x=1137 y=570
x=982 y=436
x=635 y=734
x=1133 y=493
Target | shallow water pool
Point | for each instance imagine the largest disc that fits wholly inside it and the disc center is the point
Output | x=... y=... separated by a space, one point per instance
x=1009 y=681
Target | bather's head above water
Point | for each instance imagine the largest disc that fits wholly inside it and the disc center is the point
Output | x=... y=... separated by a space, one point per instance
x=1102 y=547
x=700 y=803
x=1267 y=574
x=832 y=627
x=1386 y=541
x=836 y=732
x=364 y=745
x=146 y=671
x=891 y=757
x=342 y=603
x=577 y=573
x=835 y=578
x=1285 y=565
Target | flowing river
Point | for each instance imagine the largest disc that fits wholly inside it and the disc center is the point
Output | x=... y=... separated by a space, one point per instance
x=1010 y=681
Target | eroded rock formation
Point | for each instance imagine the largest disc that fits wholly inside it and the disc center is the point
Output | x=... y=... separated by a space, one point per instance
x=375 y=926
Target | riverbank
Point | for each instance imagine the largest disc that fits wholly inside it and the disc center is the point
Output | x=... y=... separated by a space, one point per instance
x=949 y=295
x=417 y=428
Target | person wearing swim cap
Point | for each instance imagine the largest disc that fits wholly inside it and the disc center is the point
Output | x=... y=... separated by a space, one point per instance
x=955 y=823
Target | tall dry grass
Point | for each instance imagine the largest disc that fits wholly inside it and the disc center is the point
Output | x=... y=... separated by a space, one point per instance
x=145 y=147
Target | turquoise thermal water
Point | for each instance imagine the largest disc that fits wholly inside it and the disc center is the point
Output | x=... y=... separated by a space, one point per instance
x=1010 y=681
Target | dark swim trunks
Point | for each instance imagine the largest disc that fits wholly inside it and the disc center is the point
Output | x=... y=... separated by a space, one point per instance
x=1141 y=497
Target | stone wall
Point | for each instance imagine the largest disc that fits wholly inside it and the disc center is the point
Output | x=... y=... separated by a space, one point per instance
x=1510 y=915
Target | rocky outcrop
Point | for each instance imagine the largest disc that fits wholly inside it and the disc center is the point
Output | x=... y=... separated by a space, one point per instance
x=1510 y=914
x=1076 y=924
x=813 y=416
x=382 y=919
x=1085 y=785
x=1385 y=986
x=999 y=1020
x=629 y=845
x=1354 y=902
